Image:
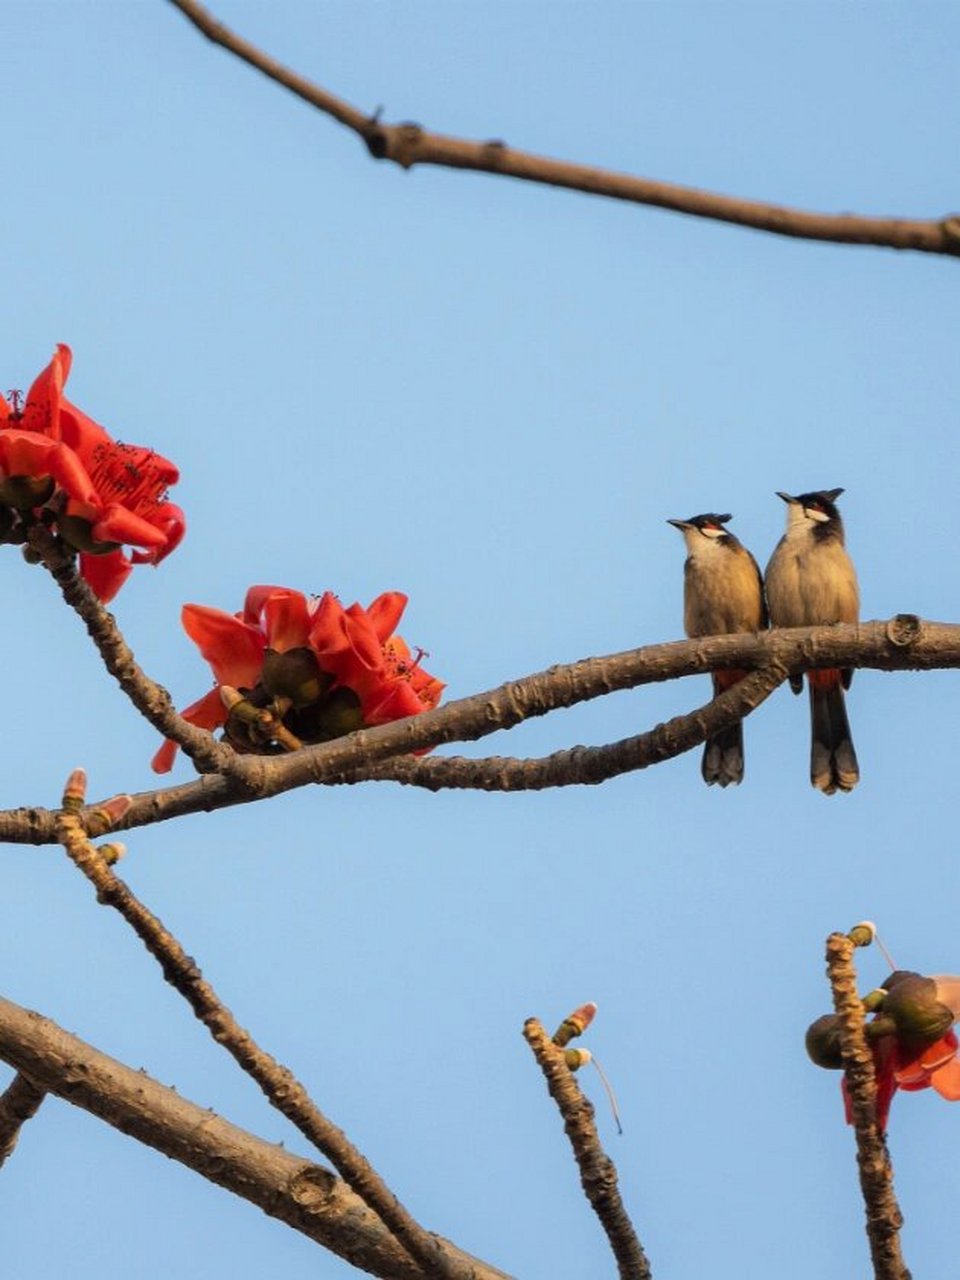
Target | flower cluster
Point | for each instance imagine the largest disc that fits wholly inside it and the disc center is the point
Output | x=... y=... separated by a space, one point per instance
x=304 y=664
x=58 y=465
x=911 y=1037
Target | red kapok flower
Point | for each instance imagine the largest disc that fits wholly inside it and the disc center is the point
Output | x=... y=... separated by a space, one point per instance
x=911 y=1037
x=104 y=495
x=317 y=668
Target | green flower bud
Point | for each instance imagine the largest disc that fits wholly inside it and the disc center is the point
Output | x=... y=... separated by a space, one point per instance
x=331 y=717
x=294 y=675
x=77 y=533
x=26 y=492
x=919 y=1016
x=823 y=1042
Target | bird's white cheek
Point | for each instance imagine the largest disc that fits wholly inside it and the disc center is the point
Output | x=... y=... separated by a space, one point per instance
x=820 y=517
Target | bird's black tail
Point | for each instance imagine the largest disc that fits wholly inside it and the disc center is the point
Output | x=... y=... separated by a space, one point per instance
x=833 y=761
x=723 y=757
x=722 y=762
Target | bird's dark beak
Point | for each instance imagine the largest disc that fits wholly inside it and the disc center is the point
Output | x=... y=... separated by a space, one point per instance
x=787 y=497
x=680 y=524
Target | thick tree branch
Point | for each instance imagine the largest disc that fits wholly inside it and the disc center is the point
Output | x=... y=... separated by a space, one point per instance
x=884 y=1219
x=150 y=699
x=598 y=1174
x=278 y=1084
x=904 y=643
x=296 y=1191
x=409 y=144
x=19 y=1102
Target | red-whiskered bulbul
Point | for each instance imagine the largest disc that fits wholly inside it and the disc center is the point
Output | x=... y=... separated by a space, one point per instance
x=722 y=593
x=811 y=580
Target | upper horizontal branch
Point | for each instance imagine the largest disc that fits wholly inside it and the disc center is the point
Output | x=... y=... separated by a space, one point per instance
x=302 y=1194
x=409 y=145
x=904 y=643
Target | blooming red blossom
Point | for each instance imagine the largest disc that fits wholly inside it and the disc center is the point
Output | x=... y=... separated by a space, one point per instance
x=319 y=668
x=911 y=1038
x=103 y=495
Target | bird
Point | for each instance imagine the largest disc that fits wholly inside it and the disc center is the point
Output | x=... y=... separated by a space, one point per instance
x=722 y=594
x=811 y=580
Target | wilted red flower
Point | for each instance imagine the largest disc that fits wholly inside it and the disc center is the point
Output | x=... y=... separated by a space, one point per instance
x=911 y=1037
x=321 y=669
x=103 y=495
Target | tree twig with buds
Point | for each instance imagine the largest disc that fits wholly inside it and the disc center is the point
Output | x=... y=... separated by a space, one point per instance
x=279 y=1085
x=884 y=1219
x=409 y=144
x=19 y=1102
x=598 y=1174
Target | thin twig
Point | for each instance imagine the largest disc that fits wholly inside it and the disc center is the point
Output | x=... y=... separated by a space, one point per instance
x=409 y=144
x=884 y=1219
x=19 y=1102
x=598 y=1174
x=150 y=699
x=279 y=1085
x=305 y=1196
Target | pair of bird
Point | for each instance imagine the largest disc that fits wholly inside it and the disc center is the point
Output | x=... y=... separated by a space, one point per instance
x=810 y=580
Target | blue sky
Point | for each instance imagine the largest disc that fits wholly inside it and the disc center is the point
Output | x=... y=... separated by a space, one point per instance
x=490 y=396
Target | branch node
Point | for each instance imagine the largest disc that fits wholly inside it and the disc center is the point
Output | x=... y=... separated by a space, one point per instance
x=313 y=1188
x=904 y=630
x=375 y=136
x=406 y=138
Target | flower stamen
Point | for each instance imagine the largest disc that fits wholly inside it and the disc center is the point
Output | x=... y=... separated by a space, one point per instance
x=125 y=472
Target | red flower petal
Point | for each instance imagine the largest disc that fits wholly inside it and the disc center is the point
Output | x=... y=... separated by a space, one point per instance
x=385 y=612
x=171 y=520
x=946 y=1080
x=391 y=702
x=286 y=620
x=119 y=524
x=916 y=1072
x=27 y=453
x=80 y=432
x=254 y=601
x=105 y=574
x=41 y=413
x=233 y=648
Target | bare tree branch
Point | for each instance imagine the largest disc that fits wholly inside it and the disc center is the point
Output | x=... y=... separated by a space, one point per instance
x=18 y=1103
x=150 y=699
x=903 y=643
x=583 y=765
x=409 y=144
x=278 y=1084
x=296 y=1191
x=598 y=1173
x=884 y=1219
